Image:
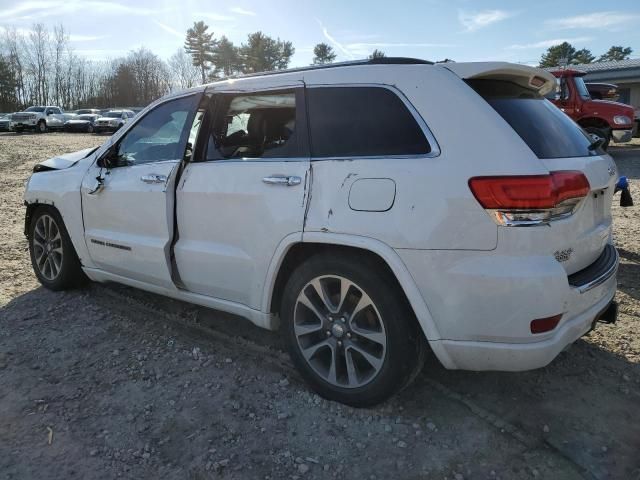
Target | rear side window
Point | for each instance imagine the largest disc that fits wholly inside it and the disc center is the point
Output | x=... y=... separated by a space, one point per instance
x=362 y=122
x=547 y=131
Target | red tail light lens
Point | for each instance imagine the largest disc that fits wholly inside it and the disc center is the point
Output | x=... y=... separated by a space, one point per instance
x=542 y=325
x=530 y=199
x=529 y=192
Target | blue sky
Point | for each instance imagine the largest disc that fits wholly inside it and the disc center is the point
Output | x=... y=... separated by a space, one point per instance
x=463 y=30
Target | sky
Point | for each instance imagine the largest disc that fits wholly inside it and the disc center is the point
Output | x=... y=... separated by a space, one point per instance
x=462 y=30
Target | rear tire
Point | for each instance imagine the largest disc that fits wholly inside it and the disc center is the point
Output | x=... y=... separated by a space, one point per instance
x=90 y=129
x=53 y=257
x=600 y=133
x=361 y=358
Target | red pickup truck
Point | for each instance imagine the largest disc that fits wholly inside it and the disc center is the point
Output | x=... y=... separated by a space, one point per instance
x=602 y=119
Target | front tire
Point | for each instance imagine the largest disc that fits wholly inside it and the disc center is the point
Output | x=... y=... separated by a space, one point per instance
x=349 y=330
x=41 y=127
x=53 y=257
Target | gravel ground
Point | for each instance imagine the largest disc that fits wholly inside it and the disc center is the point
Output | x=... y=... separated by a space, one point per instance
x=109 y=382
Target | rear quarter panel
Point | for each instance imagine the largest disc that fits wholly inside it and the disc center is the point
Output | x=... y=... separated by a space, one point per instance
x=433 y=206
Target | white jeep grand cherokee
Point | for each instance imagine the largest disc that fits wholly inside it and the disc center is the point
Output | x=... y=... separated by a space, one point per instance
x=370 y=210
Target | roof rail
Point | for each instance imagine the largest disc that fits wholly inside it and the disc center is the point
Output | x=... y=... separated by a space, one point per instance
x=350 y=63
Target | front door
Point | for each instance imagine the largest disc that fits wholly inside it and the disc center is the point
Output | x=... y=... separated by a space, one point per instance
x=129 y=219
x=245 y=194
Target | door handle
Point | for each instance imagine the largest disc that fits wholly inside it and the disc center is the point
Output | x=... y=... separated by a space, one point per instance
x=154 y=178
x=286 y=180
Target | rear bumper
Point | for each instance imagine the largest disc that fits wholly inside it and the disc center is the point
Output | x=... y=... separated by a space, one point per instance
x=484 y=319
x=523 y=356
x=622 y=136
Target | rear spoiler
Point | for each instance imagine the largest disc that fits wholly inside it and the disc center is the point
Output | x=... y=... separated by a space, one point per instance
x=528 y=77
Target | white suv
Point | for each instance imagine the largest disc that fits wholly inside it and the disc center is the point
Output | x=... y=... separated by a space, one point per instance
x=370 y=210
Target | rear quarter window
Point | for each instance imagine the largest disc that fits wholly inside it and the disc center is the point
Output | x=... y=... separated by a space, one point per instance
x=362 y=122
x=547 y=131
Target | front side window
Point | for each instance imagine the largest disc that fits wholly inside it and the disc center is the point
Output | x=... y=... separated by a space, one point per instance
x=362 y=121
x=260 y=125
x=160 y=135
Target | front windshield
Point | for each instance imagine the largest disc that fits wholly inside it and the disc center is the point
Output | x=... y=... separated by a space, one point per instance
x=35 y=109
x=114 y=115
x=582 y=88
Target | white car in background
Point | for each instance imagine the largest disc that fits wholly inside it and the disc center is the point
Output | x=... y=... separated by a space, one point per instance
x=112 y=120
x=39 y=119
x=350 y=206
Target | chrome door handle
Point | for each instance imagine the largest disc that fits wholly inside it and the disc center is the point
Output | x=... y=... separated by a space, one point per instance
x=154 y=178
x=286 y=180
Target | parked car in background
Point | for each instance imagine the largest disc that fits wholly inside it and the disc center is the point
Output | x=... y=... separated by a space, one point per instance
x=39 y=118
x=603 y=120
x=5 y=122
x=495 y=251
x=112 y=120
x=81 y=123
x=88 y=111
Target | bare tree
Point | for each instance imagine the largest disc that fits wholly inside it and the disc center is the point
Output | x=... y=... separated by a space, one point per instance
x=183 y=73
x=60 y=40
x=38 y=61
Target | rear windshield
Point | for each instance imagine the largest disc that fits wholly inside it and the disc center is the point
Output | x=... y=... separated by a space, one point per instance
x=547 y=131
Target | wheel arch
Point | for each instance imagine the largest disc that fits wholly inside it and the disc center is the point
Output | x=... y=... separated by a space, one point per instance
x=59 y=189
x=597 y=122
x=294 y=250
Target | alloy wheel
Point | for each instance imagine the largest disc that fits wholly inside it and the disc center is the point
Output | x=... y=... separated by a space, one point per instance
x=47 y=247
x=339 y=331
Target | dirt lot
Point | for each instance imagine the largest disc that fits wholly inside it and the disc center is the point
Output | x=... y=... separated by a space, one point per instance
x=110 y=382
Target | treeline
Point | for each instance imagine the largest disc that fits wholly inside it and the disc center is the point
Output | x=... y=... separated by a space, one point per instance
x=565 y=54
x=41 y=67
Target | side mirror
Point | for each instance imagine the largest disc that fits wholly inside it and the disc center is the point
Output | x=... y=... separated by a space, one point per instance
x=109 y=159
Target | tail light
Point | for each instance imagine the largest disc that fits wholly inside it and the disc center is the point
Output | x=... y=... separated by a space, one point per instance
x=528 y=200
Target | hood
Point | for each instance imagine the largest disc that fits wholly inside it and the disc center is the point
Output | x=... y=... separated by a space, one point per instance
x=65 y=161
x=77 y=120
x=614 y=108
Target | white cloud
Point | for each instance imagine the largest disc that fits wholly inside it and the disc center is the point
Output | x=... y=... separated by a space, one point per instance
x=170 y=30
x=34 y=10
x=335 y=43
x=596 y=20
x=216 y=17
x=472 y=21
x=548 y=43
x=25 y=32
x=242 y=11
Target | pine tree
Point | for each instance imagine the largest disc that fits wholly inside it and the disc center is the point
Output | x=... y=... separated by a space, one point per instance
x=226 y=57
x=262 y=53
x=377 y=54
x=323 y=53
x=200 y=44
x=583 y=55
x=616 y=53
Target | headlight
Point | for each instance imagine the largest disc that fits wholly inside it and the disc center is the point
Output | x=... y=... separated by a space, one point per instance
x=621 y=120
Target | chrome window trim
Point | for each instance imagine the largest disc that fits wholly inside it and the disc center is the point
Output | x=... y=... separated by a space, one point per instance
x=431 y=139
